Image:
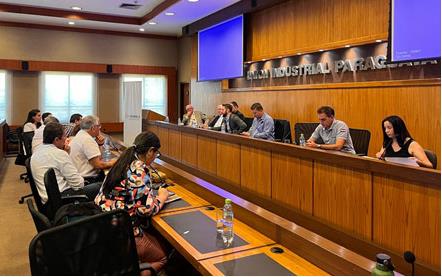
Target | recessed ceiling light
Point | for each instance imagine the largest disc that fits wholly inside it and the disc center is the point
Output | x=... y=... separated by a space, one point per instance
x=347 y=46
x=141 y=30
x=76 y=8
x=279 y=57
x=193 y=0
x=321 y=50
x=71 y=23
x=169 y=13
x=299 y=53
x=263 y=60
x=379 y=40
x=152 y=23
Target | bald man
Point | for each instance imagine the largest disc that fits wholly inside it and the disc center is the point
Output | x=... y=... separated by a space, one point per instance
x=193 y=118
x=218 y=118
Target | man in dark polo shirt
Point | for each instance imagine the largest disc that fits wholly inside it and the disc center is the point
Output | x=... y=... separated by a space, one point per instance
x=333 y=132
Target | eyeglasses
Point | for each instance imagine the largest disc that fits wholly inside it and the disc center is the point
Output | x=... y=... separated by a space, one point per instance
x=98 y=125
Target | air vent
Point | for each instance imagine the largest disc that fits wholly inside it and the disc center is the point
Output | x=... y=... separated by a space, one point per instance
x=130 y=6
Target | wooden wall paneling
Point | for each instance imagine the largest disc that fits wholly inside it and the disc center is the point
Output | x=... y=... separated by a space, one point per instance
x=406 y=216
x=229 y=161
x=256 y=170
x=315 y=24
x=359 y=107
x=150 y=127
x=292 y=182
x=207 y=154
x=343 y=197
x=163 y=135
x=189 y=149
x=175 y=144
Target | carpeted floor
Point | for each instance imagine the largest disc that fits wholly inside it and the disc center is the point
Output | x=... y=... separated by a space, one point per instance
x=16 y=225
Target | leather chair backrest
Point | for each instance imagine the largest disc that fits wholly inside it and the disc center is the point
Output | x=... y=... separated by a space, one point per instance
x=432 y=157
x=361 y=141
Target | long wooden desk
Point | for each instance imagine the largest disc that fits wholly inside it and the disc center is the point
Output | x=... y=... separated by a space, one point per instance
x=361 y=203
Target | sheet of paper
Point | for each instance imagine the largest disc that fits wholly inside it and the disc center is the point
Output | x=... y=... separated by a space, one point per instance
x=404 y=161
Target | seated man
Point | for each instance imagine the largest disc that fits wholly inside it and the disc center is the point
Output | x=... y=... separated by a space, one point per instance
x=333 y=132
x=73 y=122
x=85 y=152
x=51 y=155
x=237 y=112
x=193 y=118
x=263 y=126
x=218 y=119
x=231 y=122
x=37 y=140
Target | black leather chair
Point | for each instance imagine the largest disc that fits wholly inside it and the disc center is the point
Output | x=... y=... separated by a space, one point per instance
x=249 y=122
x=432 y=157
x=102 y=244
x=40 y=220
x=33 y=186
x=307 y=129
x=282 y=130
x=25 y=152
x=55 y=200
x=361 y=141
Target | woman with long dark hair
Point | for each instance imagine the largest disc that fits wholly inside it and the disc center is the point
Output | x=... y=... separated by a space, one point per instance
x=33 y=122
x=399 y=143
x=128 y=186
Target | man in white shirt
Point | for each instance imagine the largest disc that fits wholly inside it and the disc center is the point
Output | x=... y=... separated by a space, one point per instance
x=51 y=155
x=85 y=152
x=38 y=135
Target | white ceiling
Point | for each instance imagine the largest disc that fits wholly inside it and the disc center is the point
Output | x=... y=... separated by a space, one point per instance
x=185 y=13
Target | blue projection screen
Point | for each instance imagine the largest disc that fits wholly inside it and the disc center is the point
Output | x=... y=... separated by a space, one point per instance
x=220 y=50
x=415 y=30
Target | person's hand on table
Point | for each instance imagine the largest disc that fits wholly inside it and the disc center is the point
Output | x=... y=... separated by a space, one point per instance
x=311 y=144
x=163 y=193
x=247 y=134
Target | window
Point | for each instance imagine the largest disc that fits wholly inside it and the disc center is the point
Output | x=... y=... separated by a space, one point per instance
x=3 y=96
x=154 y=91
x=67 y=93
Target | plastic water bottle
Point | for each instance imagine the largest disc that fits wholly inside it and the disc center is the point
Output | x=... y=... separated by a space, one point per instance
x=180 y=123
x=194 y=125
x=302 y=140
x=228 y=223
x=107 y=154
x=166 y=119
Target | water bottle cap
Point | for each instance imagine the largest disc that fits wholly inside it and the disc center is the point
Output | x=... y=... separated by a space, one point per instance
x=228 y=201
x=381 y=258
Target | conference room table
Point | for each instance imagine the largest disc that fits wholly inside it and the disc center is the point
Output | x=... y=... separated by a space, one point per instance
x=362 y=203
x=189 y=224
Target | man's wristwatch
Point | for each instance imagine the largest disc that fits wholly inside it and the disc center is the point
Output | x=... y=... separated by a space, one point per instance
x=318 y=145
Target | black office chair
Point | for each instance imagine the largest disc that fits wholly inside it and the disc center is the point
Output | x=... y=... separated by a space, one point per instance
x=361 y=141
x=25 y=152
x=432 y=157
x=33 y=186
x=282 y=130
x=249 y=122
x=102 y=244
x=307 y=129
x=12 y=140
x=40 y=220
x=55 y=200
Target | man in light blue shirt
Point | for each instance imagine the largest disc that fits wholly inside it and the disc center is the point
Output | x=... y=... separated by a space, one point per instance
x=263 y=126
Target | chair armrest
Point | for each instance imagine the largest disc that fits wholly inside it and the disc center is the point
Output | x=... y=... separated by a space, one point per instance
x=148 y=266
x=66 y=199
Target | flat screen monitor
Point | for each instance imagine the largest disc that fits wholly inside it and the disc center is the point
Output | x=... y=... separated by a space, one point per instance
x=414 y=30
x=221 y=50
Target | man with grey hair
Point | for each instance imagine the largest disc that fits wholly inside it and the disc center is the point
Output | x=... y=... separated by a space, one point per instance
x=193 y=118
x=85 y=152
x=37 y=140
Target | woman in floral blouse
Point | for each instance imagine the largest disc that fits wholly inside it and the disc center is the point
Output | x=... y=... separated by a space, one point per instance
x=128 y=187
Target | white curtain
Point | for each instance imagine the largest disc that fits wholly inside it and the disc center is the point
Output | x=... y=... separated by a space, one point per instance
x=132 y=97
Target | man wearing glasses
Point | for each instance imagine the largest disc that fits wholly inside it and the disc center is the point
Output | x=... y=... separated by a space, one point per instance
x=85 y=152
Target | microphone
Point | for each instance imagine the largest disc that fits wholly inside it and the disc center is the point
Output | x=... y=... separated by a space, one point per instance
x=410 y=258
x=385 y=150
